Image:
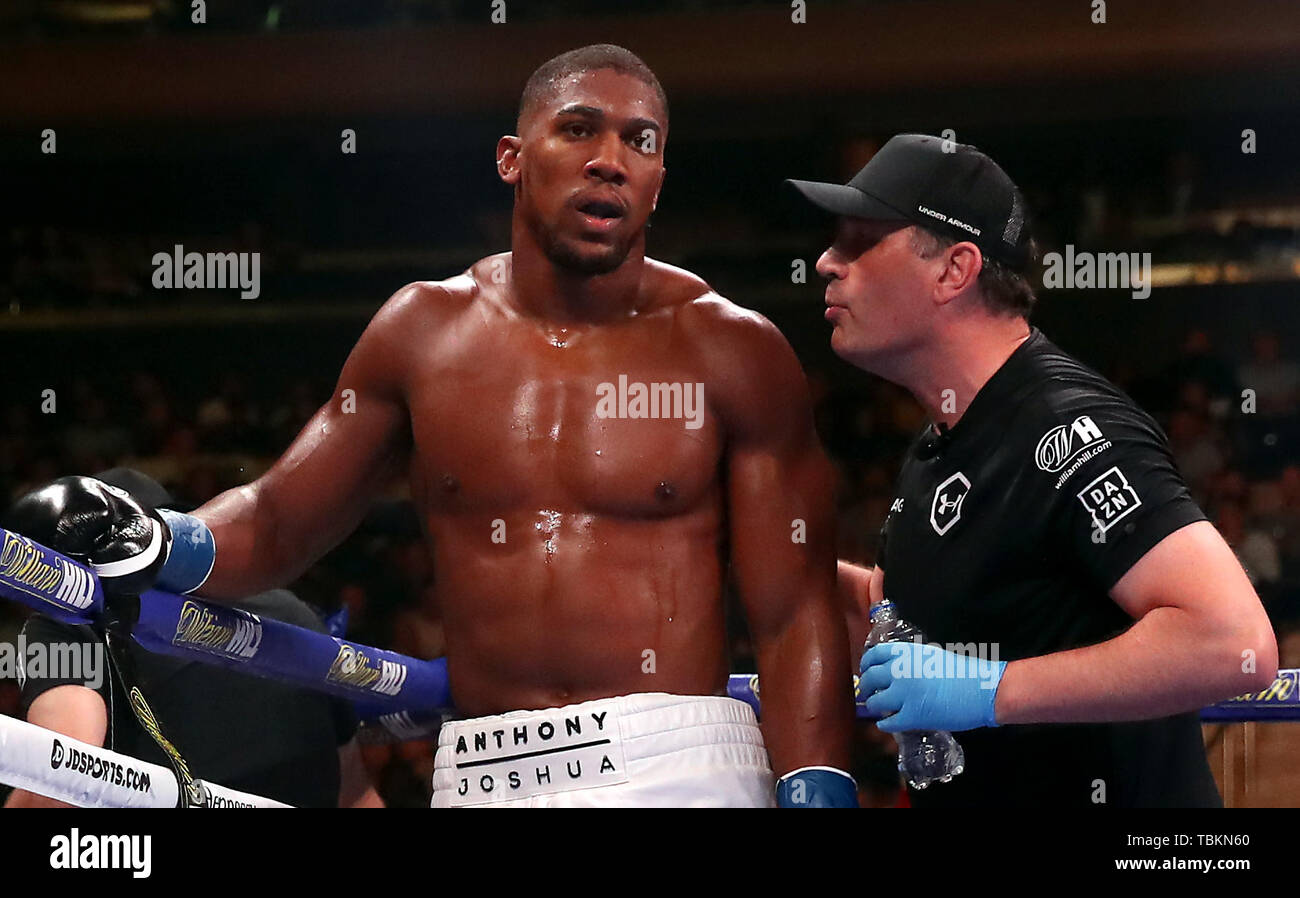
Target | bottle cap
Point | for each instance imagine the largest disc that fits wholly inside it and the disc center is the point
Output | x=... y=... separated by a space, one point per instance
x=882 y=605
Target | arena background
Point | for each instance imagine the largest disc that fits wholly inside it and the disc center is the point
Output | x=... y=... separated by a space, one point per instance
x=1168 y=128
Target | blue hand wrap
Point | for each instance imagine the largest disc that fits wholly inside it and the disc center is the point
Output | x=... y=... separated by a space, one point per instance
x=816 y=787
x=191 y=556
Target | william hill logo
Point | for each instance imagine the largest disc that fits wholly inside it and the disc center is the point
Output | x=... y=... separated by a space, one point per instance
x=228 y=632
x=1061 y=444
x=47 y=575
x=353 y=667
x=1284 y=689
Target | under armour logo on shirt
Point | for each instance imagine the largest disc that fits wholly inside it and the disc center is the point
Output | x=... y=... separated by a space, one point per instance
x=945 y=510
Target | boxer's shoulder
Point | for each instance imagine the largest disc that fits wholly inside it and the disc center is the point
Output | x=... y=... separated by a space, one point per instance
x=418 y=311
x=432 y=299
x=409 y=320
x=745 y=361
x=702 y=310
x=671 y=286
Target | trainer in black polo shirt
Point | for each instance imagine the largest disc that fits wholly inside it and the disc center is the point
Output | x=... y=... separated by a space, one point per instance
x=1008 y=530
x=1040 y=518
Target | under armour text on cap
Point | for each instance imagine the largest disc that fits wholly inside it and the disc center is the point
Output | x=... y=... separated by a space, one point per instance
x=950 y=188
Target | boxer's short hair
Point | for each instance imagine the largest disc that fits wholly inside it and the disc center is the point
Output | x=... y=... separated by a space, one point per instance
x=591 y=58
x=1004 y=290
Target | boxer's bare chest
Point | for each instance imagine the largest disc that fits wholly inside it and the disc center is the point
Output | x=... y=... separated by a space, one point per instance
x=516 y=414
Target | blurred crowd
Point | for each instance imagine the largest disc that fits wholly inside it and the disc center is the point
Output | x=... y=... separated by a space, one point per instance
x=49 y=267
x=1243 y=226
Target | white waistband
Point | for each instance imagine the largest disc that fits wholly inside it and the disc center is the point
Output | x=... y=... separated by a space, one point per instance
x=649 y=724
x=606 y=742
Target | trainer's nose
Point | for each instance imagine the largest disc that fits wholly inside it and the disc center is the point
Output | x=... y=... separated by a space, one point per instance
x=828 y=266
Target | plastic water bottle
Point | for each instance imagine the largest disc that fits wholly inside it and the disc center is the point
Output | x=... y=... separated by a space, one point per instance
x=924 y=756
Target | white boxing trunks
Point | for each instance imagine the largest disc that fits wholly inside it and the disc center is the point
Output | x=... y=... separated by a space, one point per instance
x=642 y=750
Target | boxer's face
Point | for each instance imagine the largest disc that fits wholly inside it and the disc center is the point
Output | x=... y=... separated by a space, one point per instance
x=588 y=169
x=874 y=297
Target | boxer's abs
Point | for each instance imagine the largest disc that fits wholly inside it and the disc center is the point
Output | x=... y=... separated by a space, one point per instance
x=568 y=606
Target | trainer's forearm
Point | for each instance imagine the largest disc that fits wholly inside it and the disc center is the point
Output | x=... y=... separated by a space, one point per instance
x=853 y=584
x=1168 y=662
x=807 y=698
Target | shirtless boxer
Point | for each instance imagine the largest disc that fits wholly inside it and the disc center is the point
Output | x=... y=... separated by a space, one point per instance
x=580 y=557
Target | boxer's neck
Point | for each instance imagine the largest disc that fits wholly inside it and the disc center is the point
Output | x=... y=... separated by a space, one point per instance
x=540 y=288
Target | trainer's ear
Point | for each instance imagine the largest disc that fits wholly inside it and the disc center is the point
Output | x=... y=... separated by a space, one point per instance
x=508 y=149
x=962 y=263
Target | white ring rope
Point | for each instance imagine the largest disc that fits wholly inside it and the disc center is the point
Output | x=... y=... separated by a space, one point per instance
x=56 y=766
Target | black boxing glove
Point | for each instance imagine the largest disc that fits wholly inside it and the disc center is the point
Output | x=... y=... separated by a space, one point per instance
x=124 y=542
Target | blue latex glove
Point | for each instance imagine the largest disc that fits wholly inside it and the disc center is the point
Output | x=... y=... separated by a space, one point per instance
x=925 y=687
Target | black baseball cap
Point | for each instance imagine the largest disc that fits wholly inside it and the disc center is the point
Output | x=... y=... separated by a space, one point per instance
x=947 y=187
